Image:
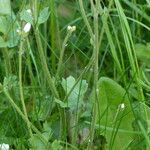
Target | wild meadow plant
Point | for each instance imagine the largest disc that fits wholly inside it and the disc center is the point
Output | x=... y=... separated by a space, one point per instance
x=74 y=75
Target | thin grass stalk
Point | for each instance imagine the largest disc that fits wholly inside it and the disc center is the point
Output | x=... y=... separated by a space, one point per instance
x=95 y=39
x=130 y=47
x=33 y=60
x=131 y=51
x=112 y=45
x=76 y=119
x=53 y=32
x=145 y=135
x=120 y=51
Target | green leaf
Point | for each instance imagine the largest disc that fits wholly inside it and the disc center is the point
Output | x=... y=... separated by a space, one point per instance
x=47 y=131
x=116 y=123
x=2 y=43
x=44 y=107
x=12 y=39
x=26 y=16
x=62 y=104
x=37 y=143
x=9 y=26
x=12 y=35
x=56 y=145
x=43 y=16
x=3 y=24
x=5 y=8
x=110 y=114
x=10 y=82
x=111 y=91
x=76 y=96
x=143 y=52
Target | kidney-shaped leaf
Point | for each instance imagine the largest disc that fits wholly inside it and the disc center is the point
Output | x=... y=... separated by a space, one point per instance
x=116 y=115
x=76 y=96
x=114 y=112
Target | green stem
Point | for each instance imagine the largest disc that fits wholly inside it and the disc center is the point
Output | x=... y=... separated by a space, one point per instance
x=85 y=19
x=62 y=54
x=53 y=32
x=7 y=62
x=44 y=64
x=96 y=53
x=21 y=87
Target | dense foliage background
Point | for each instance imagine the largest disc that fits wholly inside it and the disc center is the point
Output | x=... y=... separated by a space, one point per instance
x=75 y=74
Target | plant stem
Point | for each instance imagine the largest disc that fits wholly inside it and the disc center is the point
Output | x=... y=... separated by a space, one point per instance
x=21 y=87
x=85 y=18
x=53 y=32
x=62 y=54
x=44 y=64
x=96 y=54
x=7 y=62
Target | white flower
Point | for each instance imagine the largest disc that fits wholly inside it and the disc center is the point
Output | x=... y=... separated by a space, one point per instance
x=4 y=146
x=122 y=106
x=18 y=30
x=27 y=27
x=29 y=11
x=71 y=28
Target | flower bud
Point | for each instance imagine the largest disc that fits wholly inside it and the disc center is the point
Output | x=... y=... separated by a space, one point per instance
x=71 y=28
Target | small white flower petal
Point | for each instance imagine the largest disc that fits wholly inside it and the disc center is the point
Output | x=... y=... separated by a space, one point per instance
x=4 y=146
x=27 y=27
x=18 y=30
x=29 y=11
x=71 y=28
x=122 y=106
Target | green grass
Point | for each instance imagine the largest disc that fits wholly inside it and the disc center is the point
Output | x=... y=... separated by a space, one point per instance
x=79 y=78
